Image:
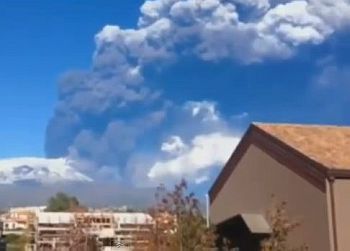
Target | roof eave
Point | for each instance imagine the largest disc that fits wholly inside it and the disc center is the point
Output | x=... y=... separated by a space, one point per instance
x=339 y=173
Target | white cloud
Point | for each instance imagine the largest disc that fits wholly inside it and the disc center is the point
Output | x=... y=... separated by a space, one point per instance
x=45 y=171
x=174 y=146
x=336 y=13
x=332 y=75
x=206 y=110
x=293 y=23
x=201 y=179
x=259 y=4
x=332 y=83
x=241 y=116
x=204 y=152
x=220 y=33
x=196 y=139
x=108 y=34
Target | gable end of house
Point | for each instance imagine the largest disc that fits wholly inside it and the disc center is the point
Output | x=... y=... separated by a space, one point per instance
x=315 y=173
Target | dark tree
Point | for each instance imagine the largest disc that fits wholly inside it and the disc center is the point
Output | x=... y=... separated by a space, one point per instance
x=62 y=202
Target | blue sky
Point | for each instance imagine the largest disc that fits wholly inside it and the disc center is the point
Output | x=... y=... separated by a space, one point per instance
x=40 y=41
x=142 y=92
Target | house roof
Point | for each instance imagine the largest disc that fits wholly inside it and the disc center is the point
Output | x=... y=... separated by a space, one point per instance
x=328 y=145
x=314 y=152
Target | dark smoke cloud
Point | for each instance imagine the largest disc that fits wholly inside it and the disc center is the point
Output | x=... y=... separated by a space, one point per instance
x=103 y=114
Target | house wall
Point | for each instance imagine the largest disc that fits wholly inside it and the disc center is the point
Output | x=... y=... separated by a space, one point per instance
x=249 y=189
x=341 y=188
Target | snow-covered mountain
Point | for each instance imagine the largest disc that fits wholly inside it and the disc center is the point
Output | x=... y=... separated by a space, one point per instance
x=40 y=170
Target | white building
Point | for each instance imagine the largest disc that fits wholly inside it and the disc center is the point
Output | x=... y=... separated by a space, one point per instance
x=33 y=209
x=19 y=219
x=53 y=229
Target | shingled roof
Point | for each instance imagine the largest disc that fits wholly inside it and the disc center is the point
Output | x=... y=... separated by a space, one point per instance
x=328 y=145
x=315 y=152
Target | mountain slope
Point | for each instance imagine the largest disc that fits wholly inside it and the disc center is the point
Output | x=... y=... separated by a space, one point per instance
x=40 y=170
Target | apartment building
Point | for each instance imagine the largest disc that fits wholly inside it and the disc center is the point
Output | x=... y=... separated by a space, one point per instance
x=57 y=231
x=19 y=219
x=131 y=228
x=53 y=230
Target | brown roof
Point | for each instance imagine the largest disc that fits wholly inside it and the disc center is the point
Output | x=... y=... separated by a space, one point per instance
x=314 y=152
x=327 y=145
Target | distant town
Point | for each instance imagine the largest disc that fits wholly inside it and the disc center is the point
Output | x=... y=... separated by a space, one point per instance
x=35 y=228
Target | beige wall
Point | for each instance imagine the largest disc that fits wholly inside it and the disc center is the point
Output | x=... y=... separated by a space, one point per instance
x=249 y=190
x=342 y=213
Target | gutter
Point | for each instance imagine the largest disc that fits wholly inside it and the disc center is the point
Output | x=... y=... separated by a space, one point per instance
x=331 y=180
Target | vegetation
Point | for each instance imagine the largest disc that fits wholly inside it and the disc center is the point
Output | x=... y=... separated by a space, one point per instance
x=16 y=242
x=179 y=222
x=62 y=202
x=281 y=226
